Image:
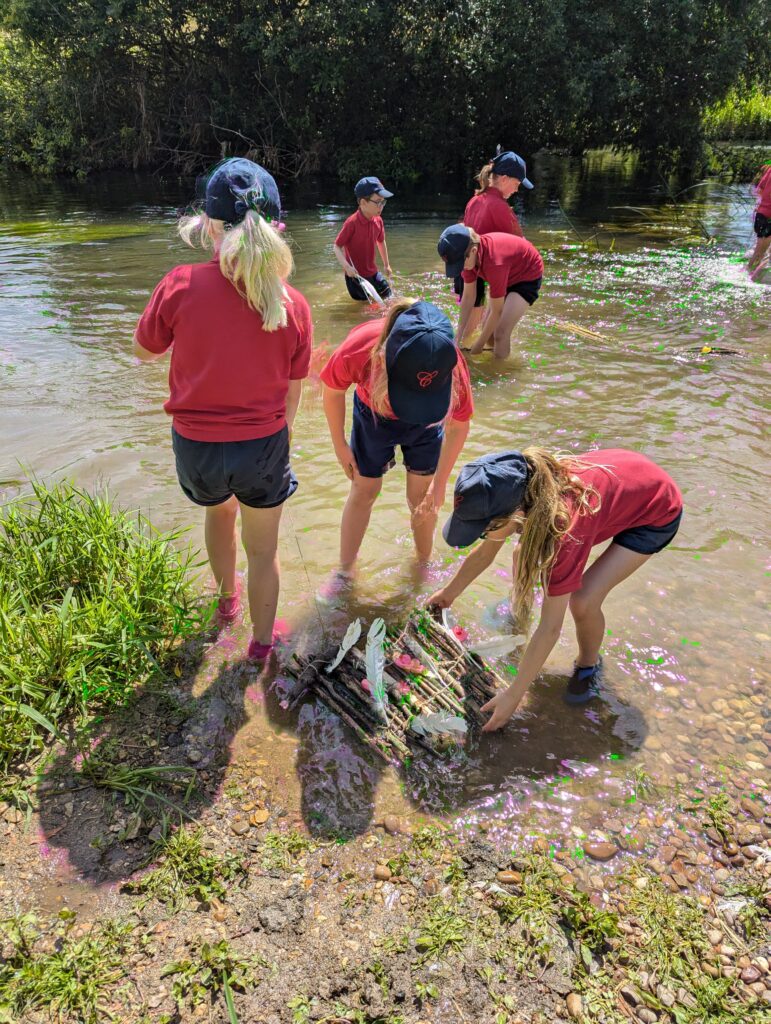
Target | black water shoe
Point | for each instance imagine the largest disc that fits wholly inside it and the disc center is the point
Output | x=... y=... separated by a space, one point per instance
x=584 y=684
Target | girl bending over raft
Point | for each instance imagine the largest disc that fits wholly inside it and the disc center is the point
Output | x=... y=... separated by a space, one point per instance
x=240 y=340
x=488 y=210
x=412 y=391
x=561 y=507
x=512 y=267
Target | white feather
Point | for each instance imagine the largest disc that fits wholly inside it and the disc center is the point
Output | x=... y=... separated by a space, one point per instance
x=370 y=292
x=352 y=634
x=374 y=659
x=436 y=722
x=497 y=646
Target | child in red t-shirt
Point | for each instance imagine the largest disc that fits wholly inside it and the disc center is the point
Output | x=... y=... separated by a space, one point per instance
x=761 y=224
x=240 y=340
x=562 y=507
x=412 y=391
x=488 y=210
x=362 y=232
x=512 y=267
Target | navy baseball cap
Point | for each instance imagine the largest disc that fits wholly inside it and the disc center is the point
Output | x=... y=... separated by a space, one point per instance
x=371 y=186
x=486 y=489
x=453 y=245
x=512 y=165
x=238 y=185
x=420 y=355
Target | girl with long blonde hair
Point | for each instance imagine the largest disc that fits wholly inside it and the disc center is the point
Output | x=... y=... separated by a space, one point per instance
x=412 y=391
x=240 y=340
x=561 y=507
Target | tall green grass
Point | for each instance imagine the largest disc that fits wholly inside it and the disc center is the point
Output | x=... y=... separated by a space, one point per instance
x=745 y=113
x=92 y=600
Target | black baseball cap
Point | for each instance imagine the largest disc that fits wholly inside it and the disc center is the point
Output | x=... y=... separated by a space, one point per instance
x=238 y=185
x=486 y=489
x=420 y=356
x=371 y=186
x=453 y=245
x=513 y=165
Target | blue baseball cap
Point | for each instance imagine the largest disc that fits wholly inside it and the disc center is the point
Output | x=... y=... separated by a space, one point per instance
x=486 y=489
x=453 y=245
x=420 y=356
x=371 y=186
x=238 y=185
x=512 y=165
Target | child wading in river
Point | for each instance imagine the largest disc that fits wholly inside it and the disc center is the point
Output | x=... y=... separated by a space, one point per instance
x=240 y=340
x=360 y=235
x=488 y=210
x=761 y=224
x=562 y=507
x=512 y=267
x=412 y=391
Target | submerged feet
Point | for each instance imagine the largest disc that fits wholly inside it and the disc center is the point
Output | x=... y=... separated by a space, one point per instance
x=336 y=588
x=584 y=684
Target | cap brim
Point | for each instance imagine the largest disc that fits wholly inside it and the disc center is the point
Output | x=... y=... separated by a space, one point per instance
x=459 y=533
x=384 y=193
x=422 y=410
x=527 y=183
x=454 y=268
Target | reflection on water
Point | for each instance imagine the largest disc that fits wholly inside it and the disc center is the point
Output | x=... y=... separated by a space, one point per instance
x=611 y=355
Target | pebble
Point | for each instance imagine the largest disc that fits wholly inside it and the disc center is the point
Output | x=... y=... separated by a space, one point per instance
x=509 y=877
x=194 y=756
x=575 y=1005
x=600 y=851
x=715 y=937
x=668 y=854
x=382 y=872
x=631 y=995
x=541 y=846
x=680 y=879
x=730 y=849
x=391 y=824
x=260 y=816
x=750 y=975
x=646 y=1016
x=239 y=826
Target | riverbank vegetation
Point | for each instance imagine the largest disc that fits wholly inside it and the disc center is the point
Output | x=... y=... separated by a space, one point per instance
x=411 y=90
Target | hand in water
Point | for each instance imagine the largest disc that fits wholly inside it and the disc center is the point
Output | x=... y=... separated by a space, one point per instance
x=350 y=271
x=429 y=506
x=439 y=600
x=347 y=461
x=388 y=270
x=503 y=706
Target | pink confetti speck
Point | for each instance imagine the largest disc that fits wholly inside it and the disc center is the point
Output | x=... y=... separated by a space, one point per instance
x=403 y=661
x=460 y=633
x=366 y=685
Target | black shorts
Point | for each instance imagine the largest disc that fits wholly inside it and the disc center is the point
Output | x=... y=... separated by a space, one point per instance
x=458 y=289
x=527 y=289
x=378 y=282
x=762 y=225
x=257 y=472
x=374 y=440
x=647 y=540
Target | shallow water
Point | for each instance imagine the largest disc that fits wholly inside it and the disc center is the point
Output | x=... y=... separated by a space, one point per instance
x=684 y=654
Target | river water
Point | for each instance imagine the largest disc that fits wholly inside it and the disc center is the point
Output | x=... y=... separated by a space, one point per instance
x=611 y=355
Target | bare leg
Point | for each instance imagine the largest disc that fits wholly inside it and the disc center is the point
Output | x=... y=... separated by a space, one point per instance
x=358 y=508
x=613 y=566
x=423 y=528
x=220 y=533
x=761 y=247
x=259 y=532
x=514 y=308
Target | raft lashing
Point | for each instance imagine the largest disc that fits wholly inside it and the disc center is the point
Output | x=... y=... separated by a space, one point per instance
x=413 y=688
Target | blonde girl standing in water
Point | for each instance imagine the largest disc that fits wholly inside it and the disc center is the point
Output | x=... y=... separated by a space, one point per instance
x=561 y=507
x=240 y=340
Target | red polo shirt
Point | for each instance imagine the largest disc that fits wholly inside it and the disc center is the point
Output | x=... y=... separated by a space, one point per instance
x=228 y=377
x=350 y=364
x=633 y=492
x=489 y=211
x=763 y=192
x=358 y=237
x=504 y=260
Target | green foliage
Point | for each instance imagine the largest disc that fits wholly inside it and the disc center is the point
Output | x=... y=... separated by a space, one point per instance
x=281 y=849
x=69 y=981
x=187 y=872
x=441 y=932
x=743 y=113
x=92 y=601
x=215 y=968
x=84 y=86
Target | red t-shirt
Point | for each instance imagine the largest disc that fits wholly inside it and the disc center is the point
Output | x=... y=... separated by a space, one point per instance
x=489 y=211
x=763 y=192
x=359 y=236
x=504 y=260
x=349 y=364
x=633 y=492
x=228 y=377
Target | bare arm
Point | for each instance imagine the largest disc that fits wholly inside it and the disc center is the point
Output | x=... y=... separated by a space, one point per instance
x=144 y=354
x=342 y=259
x=382 y=248
x=293 y=396
x=541 y=644
x=466 y=305
x=455 y=436
x=334 y=410
x=491 y=322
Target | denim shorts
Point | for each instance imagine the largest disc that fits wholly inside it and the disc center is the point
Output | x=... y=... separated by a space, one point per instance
x=458 y=285
x=762 y=226
x=378 y=282
x=374 y=440
x=527 y=289
x=257 y=472
x=647 y=540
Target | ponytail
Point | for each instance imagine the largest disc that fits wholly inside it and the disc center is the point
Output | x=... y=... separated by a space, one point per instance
x=483 y=178
x=252 y=256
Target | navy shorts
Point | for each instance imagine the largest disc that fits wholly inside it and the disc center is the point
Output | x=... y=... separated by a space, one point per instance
x=762 y=226
x=374 y=441
x=647 y=540
x=378 y=282
x=257 y=472
x=527 y=289
x=458 y=289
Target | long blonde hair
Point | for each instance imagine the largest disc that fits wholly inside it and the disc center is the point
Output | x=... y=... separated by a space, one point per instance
x=484 y=178
x=253 y=257
x=553 y=499
x=378 y=376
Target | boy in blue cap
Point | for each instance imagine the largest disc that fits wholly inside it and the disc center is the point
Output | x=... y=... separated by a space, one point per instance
x=362 y=232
